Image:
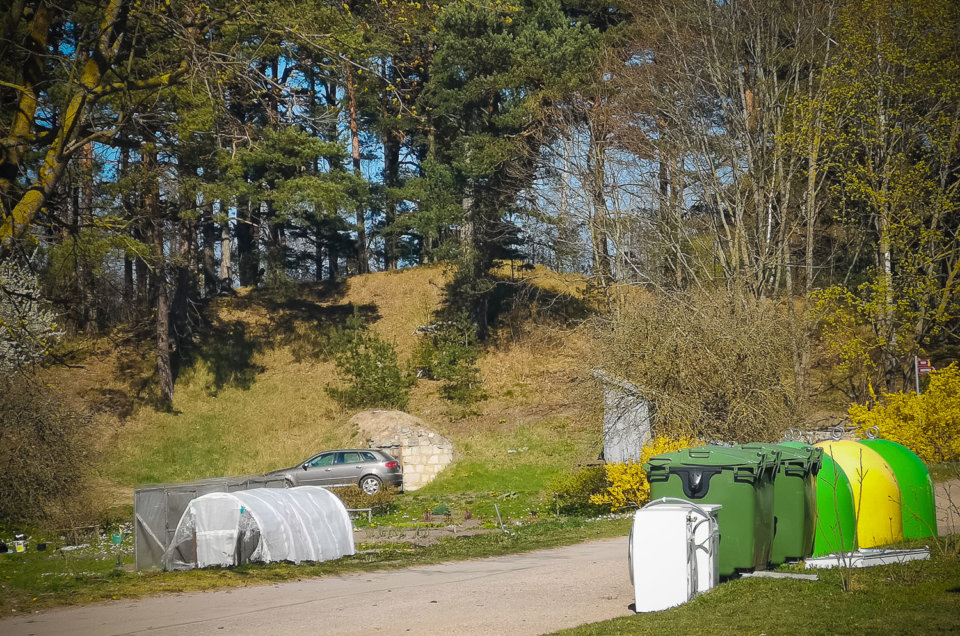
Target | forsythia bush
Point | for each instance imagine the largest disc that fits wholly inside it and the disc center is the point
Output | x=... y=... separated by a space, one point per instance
x=928 y=424
x=627 y=485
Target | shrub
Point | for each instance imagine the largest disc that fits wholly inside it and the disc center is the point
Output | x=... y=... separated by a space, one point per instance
x=627 y=485
x=371 y=367
x=928 y=424
x=448 y=351
x=43 y=454
x=716 y=364
x=353 y=497
x=573 y=492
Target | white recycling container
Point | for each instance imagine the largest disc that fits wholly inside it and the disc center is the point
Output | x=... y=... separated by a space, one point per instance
x=673 y=553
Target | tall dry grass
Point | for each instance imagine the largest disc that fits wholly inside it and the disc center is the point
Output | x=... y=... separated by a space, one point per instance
x=254 y=399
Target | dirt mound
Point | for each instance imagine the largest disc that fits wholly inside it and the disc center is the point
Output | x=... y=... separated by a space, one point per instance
x=383 y=425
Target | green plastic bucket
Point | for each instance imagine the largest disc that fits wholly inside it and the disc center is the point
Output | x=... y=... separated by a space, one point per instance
x=917 y=501
x=741 y=481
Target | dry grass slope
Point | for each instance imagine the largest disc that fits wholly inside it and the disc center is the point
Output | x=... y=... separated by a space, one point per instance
x=252 y=396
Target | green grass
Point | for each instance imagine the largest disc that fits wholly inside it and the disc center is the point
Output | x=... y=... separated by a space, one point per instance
x=34 y=580
x=510 y=472
x=916 y=597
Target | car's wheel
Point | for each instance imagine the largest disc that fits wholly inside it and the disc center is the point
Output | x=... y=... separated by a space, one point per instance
x=370 y=484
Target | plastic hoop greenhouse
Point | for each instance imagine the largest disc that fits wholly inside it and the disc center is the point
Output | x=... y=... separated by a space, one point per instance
x=262 y=525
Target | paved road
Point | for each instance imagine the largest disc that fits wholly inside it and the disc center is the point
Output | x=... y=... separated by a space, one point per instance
x=519 y=594
x=948 y=506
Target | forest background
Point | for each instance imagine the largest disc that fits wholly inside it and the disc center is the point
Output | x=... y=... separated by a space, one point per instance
x=761 y=197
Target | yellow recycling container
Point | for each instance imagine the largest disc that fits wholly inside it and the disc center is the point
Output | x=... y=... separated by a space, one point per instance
x=876 y=495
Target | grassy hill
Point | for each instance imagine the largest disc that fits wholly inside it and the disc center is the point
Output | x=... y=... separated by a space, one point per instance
x=251 y=395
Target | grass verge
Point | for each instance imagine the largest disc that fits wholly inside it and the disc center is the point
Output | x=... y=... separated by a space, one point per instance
x=908 y=598
x=35 y=580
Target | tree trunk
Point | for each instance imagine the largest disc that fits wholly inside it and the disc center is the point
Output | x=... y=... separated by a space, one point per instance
x=248 y=231
x=154 y=214
x=276 y=246
x=87 y=278
x=318 y=256
x=226 y=265
x=144 y=298
x=363 y=264
x=333 y=261
x=185 y=293
x=391 y=171
x=598 y=220
x=813 y=165
x=129 y=292
x=210 y=281
x=129 y=297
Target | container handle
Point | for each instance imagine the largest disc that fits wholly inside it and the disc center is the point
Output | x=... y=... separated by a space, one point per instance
x=745 y=473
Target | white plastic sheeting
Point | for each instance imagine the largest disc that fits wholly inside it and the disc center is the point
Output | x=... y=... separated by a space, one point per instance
x=157 y=510
x=261 y=525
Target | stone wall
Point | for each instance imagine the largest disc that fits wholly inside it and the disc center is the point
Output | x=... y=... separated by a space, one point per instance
x=422 y=452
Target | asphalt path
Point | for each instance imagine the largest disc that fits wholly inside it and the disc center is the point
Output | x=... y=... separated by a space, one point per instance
x=521 y=594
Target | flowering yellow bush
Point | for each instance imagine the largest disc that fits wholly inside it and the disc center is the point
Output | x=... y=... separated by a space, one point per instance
x=928 y=424
x=627 y=485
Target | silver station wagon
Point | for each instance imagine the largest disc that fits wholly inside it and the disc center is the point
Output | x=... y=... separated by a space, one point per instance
x=367 y=468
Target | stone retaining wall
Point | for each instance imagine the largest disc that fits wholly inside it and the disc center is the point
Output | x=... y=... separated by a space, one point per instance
x=422 y=452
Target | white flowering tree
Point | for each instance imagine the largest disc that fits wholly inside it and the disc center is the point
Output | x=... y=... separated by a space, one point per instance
x=28 y=327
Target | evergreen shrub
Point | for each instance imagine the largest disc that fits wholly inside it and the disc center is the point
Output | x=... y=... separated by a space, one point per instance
x=448 y=351
x=371 y=368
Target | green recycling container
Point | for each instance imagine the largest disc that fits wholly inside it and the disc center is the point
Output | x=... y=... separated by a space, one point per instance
x=836 y=525
x=917 y=501
x=739 y=480
x=794 y=500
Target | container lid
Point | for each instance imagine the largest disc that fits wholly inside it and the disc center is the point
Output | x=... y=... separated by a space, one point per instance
x=695 y=467
x=716 y=456
x=812 y=454
x=771 y=452
x=793 y=461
